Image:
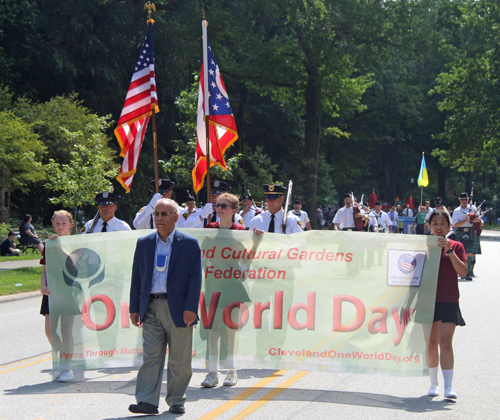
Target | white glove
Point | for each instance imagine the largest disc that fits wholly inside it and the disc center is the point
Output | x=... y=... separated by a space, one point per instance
x=155 y=200
x=207 y=210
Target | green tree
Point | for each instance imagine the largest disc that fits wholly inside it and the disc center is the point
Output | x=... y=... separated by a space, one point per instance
x=470 y=85
x=89 y=171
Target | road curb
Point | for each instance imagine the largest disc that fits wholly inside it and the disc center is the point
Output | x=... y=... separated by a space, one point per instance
x=19 y=296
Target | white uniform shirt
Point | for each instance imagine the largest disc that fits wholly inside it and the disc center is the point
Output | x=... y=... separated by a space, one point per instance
x=261 y=221
x=113 y=225
x=302 y=215
x=459 y=215
x=381 y=219
x=144 y=217
x=248 y=216
x=344 y=217
x=183 y=216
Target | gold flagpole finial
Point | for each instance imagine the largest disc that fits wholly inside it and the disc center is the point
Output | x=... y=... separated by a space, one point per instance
x=150 y=6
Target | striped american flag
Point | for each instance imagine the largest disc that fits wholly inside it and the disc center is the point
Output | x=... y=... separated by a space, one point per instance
x=140 y=101
x=222 y=126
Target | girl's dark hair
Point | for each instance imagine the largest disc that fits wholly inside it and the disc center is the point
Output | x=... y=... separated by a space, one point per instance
x=442 y=213
x=25 y=220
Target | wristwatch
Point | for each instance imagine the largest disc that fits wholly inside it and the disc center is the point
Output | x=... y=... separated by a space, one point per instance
x=449 y=251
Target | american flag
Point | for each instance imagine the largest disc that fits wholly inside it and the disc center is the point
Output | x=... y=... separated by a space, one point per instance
x=140 y=101
x=407 y=263
x=222 y=128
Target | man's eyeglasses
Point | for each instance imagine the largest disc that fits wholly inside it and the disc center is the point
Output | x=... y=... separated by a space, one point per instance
x=162 y=214
x=464 y=199
x=223 y=206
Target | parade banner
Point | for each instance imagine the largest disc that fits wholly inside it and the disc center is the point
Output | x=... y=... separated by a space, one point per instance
x=317 y=300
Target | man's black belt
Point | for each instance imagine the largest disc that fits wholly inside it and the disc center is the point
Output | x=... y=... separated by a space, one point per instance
x=154 y=296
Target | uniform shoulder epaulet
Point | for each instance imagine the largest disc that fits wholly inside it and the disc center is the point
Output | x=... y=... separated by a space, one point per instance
x=185 y=215
x=82 y=230
x=241 y=222
x=142 y=208
x=299 y=223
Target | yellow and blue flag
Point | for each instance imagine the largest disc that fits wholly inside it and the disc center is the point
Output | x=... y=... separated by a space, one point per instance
x=423 y=177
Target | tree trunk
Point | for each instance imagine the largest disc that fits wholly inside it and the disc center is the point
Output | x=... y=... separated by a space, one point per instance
x=312 y=129
x=311 y=147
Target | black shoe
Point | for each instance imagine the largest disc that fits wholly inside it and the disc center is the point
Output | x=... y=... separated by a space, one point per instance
x=177 y=409
x=468 y=277
x=143 y=408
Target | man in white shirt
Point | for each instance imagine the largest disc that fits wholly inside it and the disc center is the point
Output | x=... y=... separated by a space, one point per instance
x=408 y=212
x=144 y=217
x=393 y=216
x=249 y=210
x=272 y=219
x=344 y=218
x=105 y=220
x=466 y=232
x=302 y=215
x=379 y=219
x=186 y=212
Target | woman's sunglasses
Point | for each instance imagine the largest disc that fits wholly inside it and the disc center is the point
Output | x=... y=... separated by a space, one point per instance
x=223 y=206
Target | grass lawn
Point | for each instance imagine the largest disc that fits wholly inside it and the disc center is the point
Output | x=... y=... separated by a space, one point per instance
x=30 y=256
x=28 y=277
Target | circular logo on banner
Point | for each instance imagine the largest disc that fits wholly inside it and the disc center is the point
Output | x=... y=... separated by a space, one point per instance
x=83 y=266
x=407 y=263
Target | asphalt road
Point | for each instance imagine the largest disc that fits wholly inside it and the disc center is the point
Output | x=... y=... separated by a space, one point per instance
x=27 y=391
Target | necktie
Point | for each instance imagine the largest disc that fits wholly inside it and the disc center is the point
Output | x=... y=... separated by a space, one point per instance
x=271 y=224
x=104 y=224
x=214 y=217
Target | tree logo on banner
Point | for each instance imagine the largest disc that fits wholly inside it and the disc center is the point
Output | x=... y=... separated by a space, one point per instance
x=407 y=263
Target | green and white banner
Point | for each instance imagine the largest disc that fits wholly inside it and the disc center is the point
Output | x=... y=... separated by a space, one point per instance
x=317 y=300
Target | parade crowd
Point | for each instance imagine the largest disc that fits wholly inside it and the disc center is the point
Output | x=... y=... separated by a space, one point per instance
x=167 y=272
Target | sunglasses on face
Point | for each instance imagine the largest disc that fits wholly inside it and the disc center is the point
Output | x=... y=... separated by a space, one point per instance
x=223 y=206
x=464 y=199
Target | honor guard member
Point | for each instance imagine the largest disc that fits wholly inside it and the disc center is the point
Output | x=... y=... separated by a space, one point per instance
x=302 y=215
x=188 y=211
x=380 y=219
x=272 y=219
x=345 y=216
x=249 y=210
x=208 y=214
x=465 y=231
x=105 y=220
x=144 y=217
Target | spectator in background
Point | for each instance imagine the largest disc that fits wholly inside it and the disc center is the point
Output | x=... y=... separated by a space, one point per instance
x=28 y=235
x=419 y=221
x=8 y=246
x=408 y=212
x=319 y=218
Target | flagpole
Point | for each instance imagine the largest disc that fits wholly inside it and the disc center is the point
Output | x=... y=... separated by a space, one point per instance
x=204 y=25
x=422 y=187
x=150 y=6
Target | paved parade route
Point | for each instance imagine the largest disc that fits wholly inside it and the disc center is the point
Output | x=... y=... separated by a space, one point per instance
x=29 y=393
